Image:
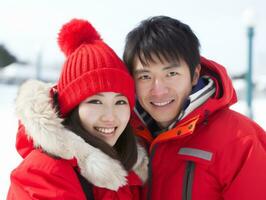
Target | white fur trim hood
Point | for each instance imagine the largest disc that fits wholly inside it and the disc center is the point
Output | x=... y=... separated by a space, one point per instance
x=42 y=124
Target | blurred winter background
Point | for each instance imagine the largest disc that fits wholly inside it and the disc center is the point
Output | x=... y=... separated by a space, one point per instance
x=28 y=48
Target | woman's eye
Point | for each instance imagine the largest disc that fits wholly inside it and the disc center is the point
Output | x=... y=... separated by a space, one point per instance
x=172 y=74
x=94 y=101
x=121 y=102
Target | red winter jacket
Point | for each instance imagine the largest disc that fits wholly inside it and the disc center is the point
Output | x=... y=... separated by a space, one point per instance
x=213 y=153
x=61 y=160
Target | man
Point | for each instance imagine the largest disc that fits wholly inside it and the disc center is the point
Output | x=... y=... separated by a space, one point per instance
x=199 y=148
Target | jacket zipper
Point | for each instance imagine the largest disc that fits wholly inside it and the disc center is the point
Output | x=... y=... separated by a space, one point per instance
x=86 y=186
x=150 y=173
x=188 y=181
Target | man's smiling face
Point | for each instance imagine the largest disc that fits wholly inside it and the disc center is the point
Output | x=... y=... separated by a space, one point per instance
x=162 y=87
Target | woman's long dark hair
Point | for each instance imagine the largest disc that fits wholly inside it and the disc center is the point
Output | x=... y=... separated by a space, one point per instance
x=124 y=150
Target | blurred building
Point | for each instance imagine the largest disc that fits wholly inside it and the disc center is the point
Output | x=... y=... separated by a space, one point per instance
x=16 y=73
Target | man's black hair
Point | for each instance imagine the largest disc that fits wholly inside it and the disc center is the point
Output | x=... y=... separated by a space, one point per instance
x=165 y=38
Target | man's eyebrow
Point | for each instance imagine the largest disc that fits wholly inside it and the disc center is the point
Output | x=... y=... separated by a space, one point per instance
x=164 y=68
x=171 y=66
x=140 y=71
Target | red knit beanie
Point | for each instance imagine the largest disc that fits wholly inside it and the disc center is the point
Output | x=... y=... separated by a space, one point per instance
x=91 y=67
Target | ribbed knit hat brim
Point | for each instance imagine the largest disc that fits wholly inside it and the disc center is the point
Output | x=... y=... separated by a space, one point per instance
x=93 y=82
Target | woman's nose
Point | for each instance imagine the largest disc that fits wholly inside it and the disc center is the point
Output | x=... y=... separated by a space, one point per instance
x=108 y=115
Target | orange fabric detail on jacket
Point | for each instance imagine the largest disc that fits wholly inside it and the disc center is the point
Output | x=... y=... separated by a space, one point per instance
x=181 y=130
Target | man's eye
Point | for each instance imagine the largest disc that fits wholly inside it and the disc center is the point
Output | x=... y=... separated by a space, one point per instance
x=171 y=74
x=94 y=101
x=121 y=102
x=144 y=77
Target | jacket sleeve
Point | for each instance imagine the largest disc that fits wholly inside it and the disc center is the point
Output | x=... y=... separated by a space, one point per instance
x=51 y=181
x=243 y=168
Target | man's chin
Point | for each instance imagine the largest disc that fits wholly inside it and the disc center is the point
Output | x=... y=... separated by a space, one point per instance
x=163 y=122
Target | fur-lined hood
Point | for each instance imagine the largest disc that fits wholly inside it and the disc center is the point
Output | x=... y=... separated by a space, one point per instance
x=42 y=124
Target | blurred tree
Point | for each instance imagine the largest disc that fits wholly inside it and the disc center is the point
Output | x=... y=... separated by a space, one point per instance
x=6 y=58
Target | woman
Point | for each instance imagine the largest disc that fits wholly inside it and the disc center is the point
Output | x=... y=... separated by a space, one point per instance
x=75 y=140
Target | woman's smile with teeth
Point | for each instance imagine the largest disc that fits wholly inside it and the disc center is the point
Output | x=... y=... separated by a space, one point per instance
x=105 y=130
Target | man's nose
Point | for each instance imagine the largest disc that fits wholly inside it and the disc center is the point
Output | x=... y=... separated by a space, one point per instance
x=158 y=88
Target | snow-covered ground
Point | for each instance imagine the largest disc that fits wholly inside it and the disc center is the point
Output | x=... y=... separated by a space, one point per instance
x=8 y=155
x=9 y=158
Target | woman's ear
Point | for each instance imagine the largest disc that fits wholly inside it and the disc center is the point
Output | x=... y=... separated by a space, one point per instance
x=196 y=75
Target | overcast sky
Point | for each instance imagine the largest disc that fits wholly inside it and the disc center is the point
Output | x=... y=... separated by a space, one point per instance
x=30 y=26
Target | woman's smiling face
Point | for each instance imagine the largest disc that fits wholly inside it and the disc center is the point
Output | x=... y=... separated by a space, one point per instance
x=105 y=115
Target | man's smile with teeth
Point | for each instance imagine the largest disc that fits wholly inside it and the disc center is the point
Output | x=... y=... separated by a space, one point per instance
x=162 y=103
